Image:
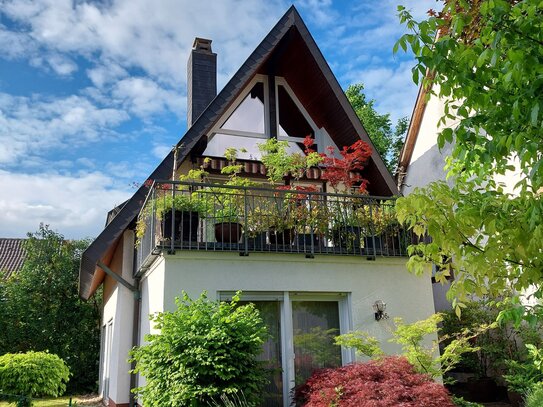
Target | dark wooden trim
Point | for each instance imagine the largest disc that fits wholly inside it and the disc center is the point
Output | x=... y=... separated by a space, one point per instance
x=273 y=106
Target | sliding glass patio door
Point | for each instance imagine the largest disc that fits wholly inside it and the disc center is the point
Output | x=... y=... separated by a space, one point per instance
x=302 y=327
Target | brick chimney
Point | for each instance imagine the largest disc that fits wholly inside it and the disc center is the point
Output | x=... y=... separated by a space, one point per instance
x=201 y=79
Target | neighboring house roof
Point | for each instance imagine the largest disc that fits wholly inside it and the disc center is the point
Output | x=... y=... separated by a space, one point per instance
x=327 y=101
x=12 y=256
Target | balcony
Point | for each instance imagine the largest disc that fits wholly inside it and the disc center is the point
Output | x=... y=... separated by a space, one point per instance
x=248 y=219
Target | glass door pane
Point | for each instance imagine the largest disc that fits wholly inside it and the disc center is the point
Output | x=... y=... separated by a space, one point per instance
x=270 y=312
x=315 y=324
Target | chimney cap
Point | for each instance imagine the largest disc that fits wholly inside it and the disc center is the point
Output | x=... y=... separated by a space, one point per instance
x=202 y=44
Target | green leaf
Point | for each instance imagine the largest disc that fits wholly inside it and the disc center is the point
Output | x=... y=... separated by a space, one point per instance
x=534 y=113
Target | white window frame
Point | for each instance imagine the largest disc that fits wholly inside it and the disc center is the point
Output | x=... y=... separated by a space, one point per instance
x=287 y=337
x=217 y=128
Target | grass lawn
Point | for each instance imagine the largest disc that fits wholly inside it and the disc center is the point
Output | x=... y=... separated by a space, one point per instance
x=62 y=402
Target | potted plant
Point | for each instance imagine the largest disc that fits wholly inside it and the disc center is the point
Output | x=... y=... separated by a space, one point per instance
x=226 y=205
x=289 y=210
x=343 y=174
x=378 y=225
x=180 y=204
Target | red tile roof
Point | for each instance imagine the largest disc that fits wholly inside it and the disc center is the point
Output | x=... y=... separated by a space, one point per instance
x=12 y=255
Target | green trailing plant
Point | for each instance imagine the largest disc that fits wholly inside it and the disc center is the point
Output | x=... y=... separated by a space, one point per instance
x=279 y=163
x=227 y=204
x=424 y=357
x=205 y=349
x=362 y=342
x=460 y=402
x=498 y=345
x=534 y=396
x=183 y=199
x=522 y=375
x=33 y=374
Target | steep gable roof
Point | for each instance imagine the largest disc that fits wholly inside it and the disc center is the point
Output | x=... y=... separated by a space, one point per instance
x=290 y=27
x=12 y=256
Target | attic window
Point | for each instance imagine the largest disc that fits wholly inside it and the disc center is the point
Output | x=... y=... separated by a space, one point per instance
x=292 y=122
x=249 y=115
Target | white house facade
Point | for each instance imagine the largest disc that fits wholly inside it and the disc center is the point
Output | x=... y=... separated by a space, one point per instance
x=304 y=280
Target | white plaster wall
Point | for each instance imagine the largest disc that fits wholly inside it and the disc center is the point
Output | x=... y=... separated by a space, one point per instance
x=119 y=390
x=427 y=161
x=406 y=295
x=152 y=301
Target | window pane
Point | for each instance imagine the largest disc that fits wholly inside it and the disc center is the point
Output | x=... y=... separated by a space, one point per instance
x=292 y=122
x=249 y=115
x=315 y=324
x=270 y=312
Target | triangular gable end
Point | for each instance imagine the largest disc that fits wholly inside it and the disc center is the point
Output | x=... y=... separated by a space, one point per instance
x=304 y=69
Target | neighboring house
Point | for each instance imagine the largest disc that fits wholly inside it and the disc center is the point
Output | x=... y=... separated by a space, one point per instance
x=12 y=256
x=422 y=162
x=285 y=89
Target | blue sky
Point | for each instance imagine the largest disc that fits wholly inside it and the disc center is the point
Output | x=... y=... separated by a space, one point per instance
x=93 y=94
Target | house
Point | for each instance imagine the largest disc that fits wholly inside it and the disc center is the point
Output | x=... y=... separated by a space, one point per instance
x=422 y=162
x=301 y=284
x=12 y=256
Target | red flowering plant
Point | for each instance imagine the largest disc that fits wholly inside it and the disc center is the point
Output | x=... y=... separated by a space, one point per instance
x=387 y=382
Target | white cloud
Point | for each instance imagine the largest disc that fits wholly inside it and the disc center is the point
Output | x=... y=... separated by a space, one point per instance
x=161 y=150
x=61 y=64
x=143 y=97
x=32 y=125
x=76 y=206
x=319 y=11
x=106 y=73
x=15 y=45
x=153 y=36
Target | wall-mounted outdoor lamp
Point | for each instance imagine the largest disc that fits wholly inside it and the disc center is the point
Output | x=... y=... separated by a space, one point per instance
x=379 y=307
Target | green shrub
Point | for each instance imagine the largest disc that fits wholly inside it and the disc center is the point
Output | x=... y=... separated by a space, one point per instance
x=460 y=402
x=33 y=374
x=534 y=397
x=205 y=349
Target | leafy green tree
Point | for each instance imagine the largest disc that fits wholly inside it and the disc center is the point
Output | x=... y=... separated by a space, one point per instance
x=40 y=309
x=484 y=59
x=387 y=139
x=204 y=351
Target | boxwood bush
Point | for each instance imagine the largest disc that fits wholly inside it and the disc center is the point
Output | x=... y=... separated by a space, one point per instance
x=205 y=349
x=390 y=381
x=33 y=374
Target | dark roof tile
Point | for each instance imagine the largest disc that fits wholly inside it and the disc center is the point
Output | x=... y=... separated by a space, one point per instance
x=12 y=256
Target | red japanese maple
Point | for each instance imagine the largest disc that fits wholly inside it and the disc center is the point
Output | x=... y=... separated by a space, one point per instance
x=346 y=170
x=387 y=382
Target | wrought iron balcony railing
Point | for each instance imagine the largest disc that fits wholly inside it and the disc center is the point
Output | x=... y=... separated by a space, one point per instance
x=245 y=219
